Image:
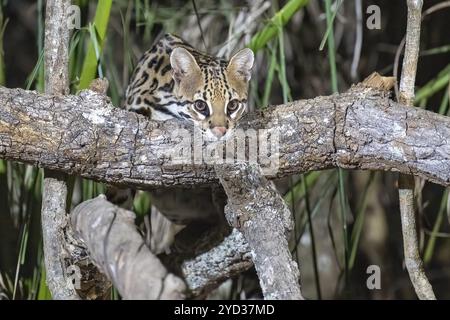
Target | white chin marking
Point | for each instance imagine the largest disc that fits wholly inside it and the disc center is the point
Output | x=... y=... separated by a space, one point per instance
x=209 y=136
x=227 y=134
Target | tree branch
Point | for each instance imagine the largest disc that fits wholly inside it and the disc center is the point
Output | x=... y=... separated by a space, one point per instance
x=413 y=261
x=359 y=129
x=119 y=251
x=208 y=270
x=54 y=192
x=256 y=209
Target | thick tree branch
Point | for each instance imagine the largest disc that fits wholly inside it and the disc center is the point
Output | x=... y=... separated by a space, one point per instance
x=359 y=129
x=413 y=261
x=54 y=192
x=256 y=209
x=120 y=252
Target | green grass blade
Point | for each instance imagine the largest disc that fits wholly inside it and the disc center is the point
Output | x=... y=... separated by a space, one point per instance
x=36 y=71
x=434 y=85
x=437 y=225
x=298 y=188
x=359 y=222
x=444 y=103
x=269 y=78
x=44 y=292
x=270 y=31
x=329 y=188
x=40 y=80
x=286 y=90
x=438 y=50
x=142 y=204
x=91 y=60
x=331 y=47
x=21 y=258
x=329 y=26
x=341 y=173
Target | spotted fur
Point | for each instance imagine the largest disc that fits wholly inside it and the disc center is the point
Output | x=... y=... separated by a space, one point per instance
x=173 y=80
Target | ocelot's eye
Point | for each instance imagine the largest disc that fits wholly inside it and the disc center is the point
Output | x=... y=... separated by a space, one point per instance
x=232 y=106
x=200 y=106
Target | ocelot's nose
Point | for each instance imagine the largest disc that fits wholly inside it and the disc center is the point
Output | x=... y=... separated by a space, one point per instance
x=219 y=132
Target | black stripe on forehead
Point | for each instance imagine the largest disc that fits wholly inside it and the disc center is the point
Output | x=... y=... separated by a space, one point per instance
x=206 y=75
x=225 y=83
x=216 y=84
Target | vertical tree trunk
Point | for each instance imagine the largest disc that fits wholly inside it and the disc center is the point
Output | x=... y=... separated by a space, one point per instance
x=56 y=58
x=256 y=209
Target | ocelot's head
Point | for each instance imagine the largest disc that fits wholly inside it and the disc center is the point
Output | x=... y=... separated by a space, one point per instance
x=216 y=89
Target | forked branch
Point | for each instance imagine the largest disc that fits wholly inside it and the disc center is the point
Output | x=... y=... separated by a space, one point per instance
x=257 y=209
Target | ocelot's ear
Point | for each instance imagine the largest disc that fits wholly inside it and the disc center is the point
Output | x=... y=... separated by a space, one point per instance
x=240 y=65
x=183 y=65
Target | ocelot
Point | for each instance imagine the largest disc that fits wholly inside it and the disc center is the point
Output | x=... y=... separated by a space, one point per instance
x=175 y=81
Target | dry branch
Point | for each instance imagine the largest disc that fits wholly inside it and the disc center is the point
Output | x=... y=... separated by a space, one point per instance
x=256 y=209
x=208 y=270
x=119 y=251
x=54 y=192
x=359 y=129
x=413 y=260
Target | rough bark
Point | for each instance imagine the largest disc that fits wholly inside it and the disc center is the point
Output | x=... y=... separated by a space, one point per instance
x=94 y=285
x=119 y=251
x=360 y=129
x=256 y=209
x=54 y=192
x=108 y=238
x=413 y=261
x=209 y=269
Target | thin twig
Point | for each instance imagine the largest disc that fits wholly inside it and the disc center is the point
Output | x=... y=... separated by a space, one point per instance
x=358 y=40
x=199 y=24
x=413 y=261
x=399 y=50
